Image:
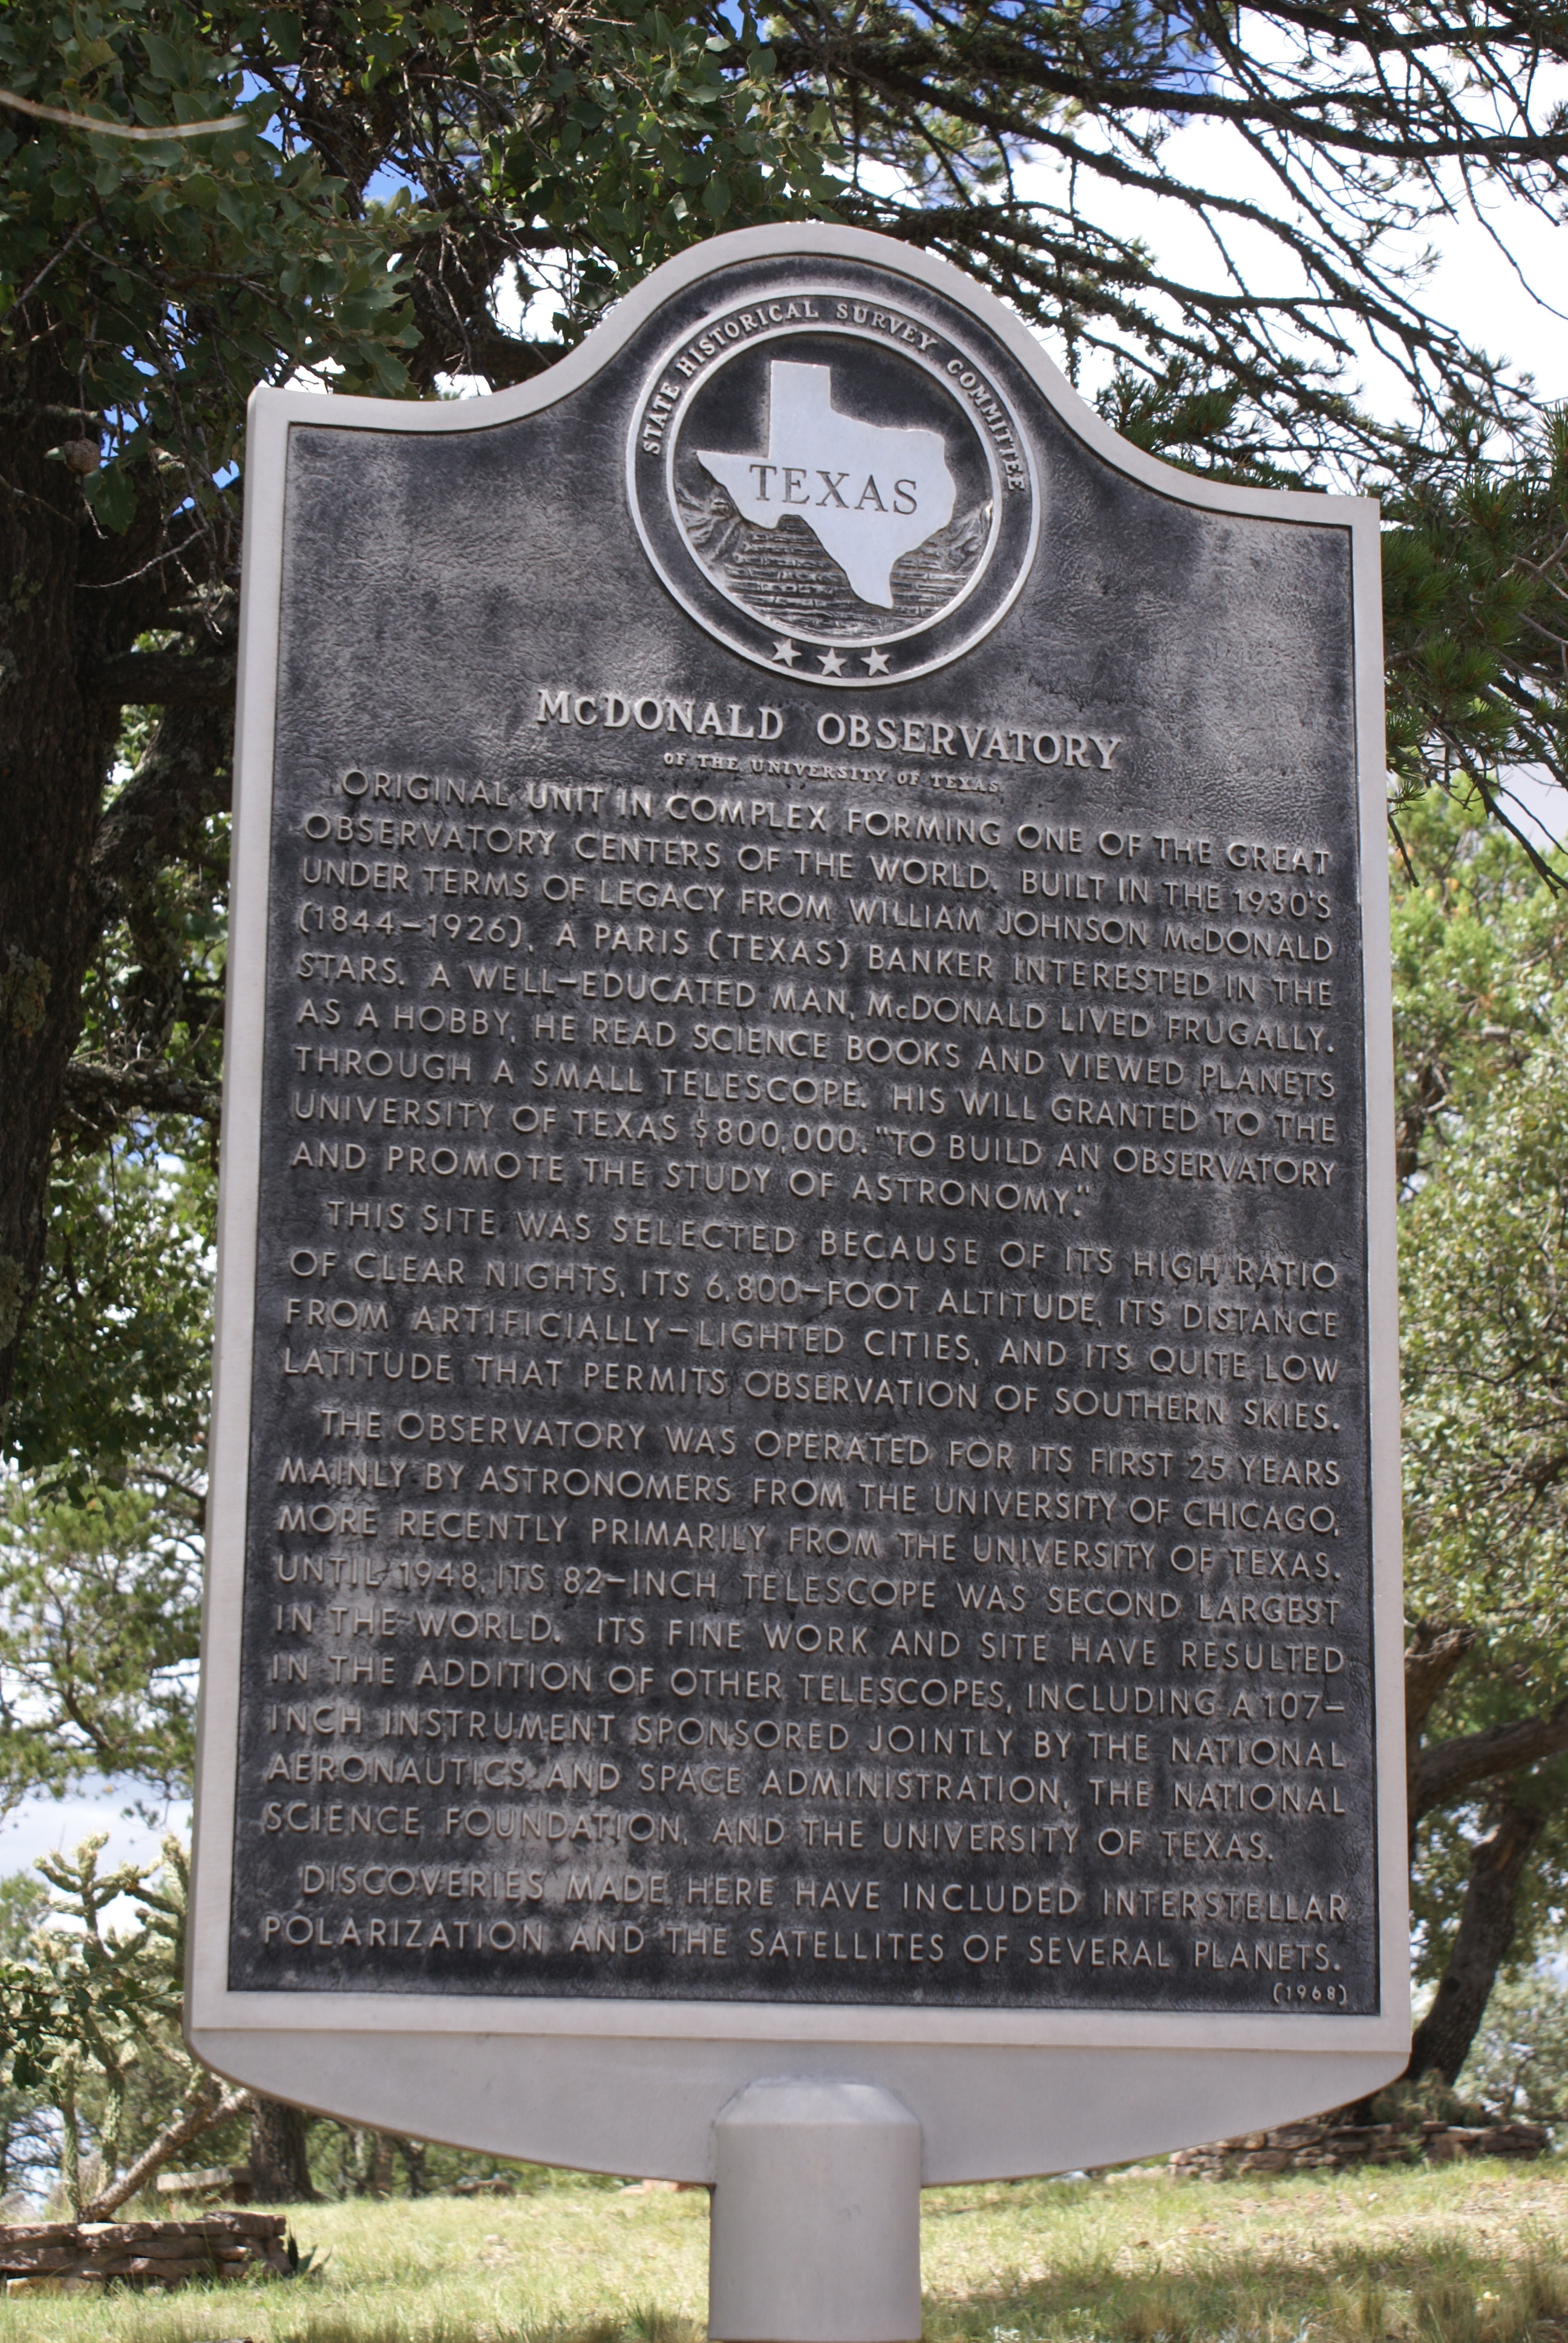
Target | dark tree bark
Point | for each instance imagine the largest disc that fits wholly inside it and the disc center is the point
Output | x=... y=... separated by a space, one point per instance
x=1514 y=1822
x=72 y=599
x=412 y=2152
x=378 y=2171
x=1436 y=1651
x=1433 y=1656
x=1498 y=1761
x=169 y=679
x=1442 y=1773
x=57 y=742
x=280 y=2168
x=1447 y=1771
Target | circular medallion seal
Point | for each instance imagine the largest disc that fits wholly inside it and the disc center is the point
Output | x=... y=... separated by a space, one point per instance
x=834 y=486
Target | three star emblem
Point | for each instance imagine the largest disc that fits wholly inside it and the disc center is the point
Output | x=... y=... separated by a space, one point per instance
x=785 y=653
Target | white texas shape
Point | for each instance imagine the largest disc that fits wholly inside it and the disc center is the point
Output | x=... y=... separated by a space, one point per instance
x=870 y=491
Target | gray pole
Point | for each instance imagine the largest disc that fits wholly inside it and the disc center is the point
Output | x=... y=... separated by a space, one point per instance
x=816 y=2227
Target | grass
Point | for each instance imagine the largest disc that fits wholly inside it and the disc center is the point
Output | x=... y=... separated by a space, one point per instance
x=1451 y=2254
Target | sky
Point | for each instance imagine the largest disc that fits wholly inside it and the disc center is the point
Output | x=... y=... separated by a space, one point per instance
x=44 y=1826
x=1473 y=286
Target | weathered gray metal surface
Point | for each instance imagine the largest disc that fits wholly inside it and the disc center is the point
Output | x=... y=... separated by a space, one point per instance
x=803 y=1341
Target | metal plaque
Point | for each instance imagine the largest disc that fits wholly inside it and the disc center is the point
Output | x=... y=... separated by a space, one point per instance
x=804 y=1474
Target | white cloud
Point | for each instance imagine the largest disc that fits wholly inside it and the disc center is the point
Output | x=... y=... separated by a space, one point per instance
x=58 y=1825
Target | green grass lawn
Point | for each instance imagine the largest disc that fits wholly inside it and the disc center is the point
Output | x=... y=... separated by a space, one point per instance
x=1455 y=2254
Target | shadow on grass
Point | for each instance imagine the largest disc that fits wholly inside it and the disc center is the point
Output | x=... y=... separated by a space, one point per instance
x=1441 y=2291
x=642 y=2323
x=1448 y=2284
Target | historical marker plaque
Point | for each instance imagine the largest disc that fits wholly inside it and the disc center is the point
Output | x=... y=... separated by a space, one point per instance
x=804 y=1450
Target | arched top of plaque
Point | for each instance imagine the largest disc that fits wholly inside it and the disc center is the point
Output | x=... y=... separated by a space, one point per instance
x=836 y=451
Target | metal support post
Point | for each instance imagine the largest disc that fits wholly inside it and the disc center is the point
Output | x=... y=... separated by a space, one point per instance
x=816 y=2225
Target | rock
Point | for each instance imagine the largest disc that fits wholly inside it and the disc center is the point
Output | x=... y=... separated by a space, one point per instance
x=55 y=2256
x=1332 y=2144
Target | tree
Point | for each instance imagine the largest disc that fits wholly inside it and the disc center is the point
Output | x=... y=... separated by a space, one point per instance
x=99 y=1633
x=372 y=175
x=375 y=171
x=100 y=1536
x=29 y=2132
x=279 y=2158
x=116 y=1366
x=1518 y=2065
x=89 y=2018
x=1346 y=130
x=1484 y=1027
x=150 y=283
x=1475 y=610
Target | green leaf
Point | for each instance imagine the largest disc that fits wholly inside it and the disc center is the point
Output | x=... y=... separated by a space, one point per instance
x=283 y=32
x=168 y=60
x=112 y=497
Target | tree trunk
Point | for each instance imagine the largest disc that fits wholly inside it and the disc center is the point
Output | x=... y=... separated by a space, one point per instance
x=1513 y=1823
x=74 y=597
x=412 y=2152
x=56 y=744
x=280 y=2168
x=209 y=2106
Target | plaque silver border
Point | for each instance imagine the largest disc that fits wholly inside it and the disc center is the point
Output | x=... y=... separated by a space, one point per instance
x=634 y=2086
